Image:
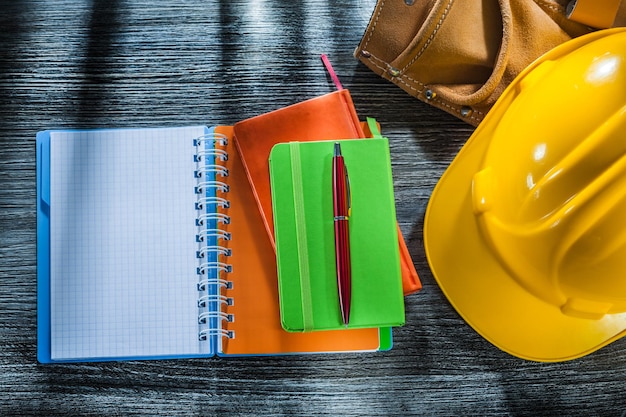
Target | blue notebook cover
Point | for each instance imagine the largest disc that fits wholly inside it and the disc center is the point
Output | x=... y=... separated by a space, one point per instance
x=103 y=287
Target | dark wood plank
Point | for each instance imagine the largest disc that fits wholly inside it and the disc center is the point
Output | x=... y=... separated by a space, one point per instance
x=69 y=63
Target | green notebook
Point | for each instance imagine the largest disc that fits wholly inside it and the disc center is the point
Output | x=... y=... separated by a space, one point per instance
x=301 y=181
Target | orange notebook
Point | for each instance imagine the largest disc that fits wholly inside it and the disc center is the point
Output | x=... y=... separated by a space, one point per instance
x=256 y=325
x=327 y=117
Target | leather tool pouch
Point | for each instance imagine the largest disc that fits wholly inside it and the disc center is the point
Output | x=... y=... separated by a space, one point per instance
x=460 y=55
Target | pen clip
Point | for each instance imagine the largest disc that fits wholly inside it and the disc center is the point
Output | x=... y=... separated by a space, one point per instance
x=348 y=193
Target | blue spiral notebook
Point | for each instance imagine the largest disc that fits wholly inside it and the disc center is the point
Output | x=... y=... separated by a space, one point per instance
x=134 y=251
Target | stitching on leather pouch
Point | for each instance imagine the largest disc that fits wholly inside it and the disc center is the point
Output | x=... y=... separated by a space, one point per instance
x=383 y=69
x=478 y=119
x=441 y=102
x=431 y=37
x=386 y=65
x=457 y=109
x=550 y=5
x=373 y=57
x=402 y=79
x=382 y=5
x=414 y=81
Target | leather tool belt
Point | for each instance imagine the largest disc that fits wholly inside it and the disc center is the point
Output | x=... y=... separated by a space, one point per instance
x=460 y=55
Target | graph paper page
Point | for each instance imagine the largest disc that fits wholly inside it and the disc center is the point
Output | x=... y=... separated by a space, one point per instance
x=122 y=243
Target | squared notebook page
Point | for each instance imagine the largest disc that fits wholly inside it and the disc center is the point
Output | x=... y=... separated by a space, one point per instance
x=122 y=243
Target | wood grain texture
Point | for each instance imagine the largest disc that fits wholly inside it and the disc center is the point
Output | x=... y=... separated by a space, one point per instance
x=73 y=63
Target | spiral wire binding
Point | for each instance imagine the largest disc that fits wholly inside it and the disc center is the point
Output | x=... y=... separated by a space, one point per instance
x=219 y=266
x=219 y=185
x=213 y=249
x=220 y=217
x=224 y=283
x=219 y=298
x=211 y=268
x=205 y=333
x=207 y=201
x=218 y=153
x=204 y=234
x=202 y=318
x=219 y=169
x=214 y=137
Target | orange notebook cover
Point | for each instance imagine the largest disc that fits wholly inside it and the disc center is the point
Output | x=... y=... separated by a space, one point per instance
x=255 y=308
x=327 y=117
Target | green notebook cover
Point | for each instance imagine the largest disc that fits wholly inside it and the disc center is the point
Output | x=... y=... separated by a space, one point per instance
x=301 y=182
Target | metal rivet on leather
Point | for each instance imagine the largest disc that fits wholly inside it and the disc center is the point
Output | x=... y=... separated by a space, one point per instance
x=394 y=72
x=365 y=54
x=430 y=94
x=466 y=111
x=409 y=2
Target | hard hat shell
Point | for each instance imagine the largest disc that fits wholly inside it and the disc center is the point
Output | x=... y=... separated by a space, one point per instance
x=525 y=232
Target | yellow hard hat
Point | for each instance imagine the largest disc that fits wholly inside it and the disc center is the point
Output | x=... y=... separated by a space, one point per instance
x=525 y=232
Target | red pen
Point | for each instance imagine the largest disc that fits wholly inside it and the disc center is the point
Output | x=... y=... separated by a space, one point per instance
x=341 y=212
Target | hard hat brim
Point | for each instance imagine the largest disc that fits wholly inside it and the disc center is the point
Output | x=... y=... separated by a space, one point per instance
x=481 y=290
